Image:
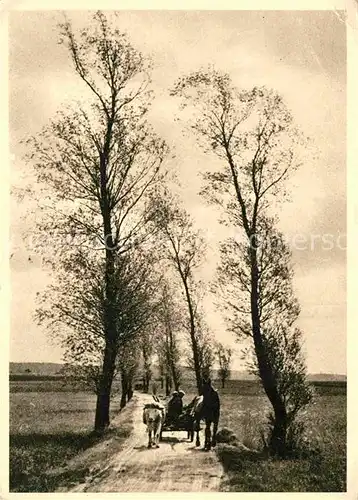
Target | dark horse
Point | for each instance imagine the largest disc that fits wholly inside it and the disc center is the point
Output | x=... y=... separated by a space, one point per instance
x=205 y=407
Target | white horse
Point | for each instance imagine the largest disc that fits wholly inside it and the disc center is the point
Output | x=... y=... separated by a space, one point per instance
x=153 y=418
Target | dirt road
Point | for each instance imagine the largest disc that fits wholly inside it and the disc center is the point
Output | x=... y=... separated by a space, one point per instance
x=176 y=466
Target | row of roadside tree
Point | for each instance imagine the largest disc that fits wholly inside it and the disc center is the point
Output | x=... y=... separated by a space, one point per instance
x=131 y=289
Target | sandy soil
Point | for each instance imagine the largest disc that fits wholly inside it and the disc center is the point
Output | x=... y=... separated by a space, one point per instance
x=176 y=466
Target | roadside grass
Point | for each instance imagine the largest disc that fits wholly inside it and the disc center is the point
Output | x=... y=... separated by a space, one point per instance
x=46 y=431
x=323 y=470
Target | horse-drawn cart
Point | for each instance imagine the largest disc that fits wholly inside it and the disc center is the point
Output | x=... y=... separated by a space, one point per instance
x=185 y=422
x=204 y=407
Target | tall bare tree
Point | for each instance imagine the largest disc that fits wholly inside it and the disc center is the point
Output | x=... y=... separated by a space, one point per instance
x=184 y=248
x=253 y=136
x=128 y=361
x=98 y=163
x=169 y=323
x=279 y=310
x=205 y=347
x=224 y=355
x=147 y=351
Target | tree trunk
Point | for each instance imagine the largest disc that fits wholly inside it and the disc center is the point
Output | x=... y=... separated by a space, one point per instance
x=147 y=366
x=223 y=383
x=175 y=378
x=130 y=393
x=154 y=388
x=108 y=368
x=168 y=385
x=194 y=345
x=130 y=387
x=102 y=413
x=278 y=437
x=103 y=397
x=123 y=400
x=161 y=371
x=146 y=380
x=265 y=370
x=124 y=383
x=171 y=356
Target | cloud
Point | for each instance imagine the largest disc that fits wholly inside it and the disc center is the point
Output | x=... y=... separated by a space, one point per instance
x=301 y=54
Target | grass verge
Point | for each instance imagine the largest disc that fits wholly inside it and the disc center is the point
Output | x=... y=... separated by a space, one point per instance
x=38 y=460
x=252 y=471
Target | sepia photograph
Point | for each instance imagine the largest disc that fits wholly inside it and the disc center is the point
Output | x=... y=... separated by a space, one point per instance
x=178 y=244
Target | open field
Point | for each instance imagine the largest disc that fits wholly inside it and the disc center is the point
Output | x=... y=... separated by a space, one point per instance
x=326 y=429
x=48 y=428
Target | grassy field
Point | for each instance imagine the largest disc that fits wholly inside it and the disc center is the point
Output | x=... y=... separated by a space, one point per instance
x=326 y=429
x=49 y=424
x=46 y=430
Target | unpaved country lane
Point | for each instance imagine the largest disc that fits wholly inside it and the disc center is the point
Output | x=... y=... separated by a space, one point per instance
x=176 y=466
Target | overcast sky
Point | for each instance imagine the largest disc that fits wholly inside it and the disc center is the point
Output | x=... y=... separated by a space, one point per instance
x=300 y=54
